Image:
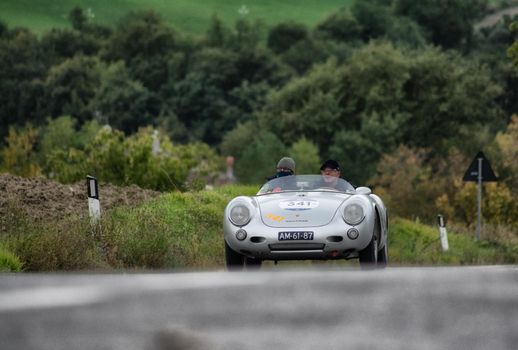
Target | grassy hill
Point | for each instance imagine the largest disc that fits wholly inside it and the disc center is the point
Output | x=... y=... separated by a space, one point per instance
x=186 y=15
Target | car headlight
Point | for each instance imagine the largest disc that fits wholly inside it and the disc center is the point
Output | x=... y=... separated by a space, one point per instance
x=240 y=215
x=353 y=214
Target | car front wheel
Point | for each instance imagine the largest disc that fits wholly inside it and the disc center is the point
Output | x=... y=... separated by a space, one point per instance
x=369 y=255
x=234 y=260
x=253 y=263
x=383 y=256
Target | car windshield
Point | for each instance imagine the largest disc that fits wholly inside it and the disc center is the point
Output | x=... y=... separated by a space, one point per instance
x=306 y=183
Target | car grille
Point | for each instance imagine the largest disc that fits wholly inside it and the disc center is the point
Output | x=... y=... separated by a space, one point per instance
x=296 y=246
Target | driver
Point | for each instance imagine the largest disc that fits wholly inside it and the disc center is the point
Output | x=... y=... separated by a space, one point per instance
x=330 y=171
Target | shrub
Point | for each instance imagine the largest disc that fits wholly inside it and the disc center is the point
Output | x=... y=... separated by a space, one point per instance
x=9 y=262
x=148 y=161
x=411 y=242
x=176 y=230
x=18 y=157
x=68 y=245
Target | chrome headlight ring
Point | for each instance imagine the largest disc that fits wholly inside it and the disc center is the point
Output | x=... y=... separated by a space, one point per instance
x=240 y=214
x=353 y=213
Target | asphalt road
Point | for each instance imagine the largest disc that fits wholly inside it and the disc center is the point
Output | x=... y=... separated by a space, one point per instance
x=396 y=308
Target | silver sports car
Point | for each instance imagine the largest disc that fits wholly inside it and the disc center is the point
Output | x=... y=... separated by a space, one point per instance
x=306 y=217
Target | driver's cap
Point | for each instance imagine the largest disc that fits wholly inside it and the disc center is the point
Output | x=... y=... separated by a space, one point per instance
x=330 y=164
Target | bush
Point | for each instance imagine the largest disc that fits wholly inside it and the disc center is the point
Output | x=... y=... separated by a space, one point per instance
x=176 y=230
x=18 y=157
x=143 y=159
x=68 y=245
x=9 y=262
x=412 y=243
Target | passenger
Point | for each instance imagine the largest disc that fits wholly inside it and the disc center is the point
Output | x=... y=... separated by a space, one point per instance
x=285 y=167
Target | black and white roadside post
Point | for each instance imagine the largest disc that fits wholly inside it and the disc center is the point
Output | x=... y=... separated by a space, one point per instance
x=442 y=233
x=94 y=207
x=479 y=171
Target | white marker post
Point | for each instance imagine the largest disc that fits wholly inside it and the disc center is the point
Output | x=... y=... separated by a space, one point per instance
x=442 y=233
x=94 y=206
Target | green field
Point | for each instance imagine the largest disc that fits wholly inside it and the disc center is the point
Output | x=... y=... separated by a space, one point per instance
x=186 y=15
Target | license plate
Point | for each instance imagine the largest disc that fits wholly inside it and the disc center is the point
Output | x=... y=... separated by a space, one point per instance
x=296 y=236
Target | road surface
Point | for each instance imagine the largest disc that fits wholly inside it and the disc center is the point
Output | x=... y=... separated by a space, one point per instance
x=396 y=308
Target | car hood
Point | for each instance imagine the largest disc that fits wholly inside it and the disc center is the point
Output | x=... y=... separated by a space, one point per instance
x=299 y=209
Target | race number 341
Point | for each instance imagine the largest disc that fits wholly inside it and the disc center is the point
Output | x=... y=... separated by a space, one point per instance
x=298 y=205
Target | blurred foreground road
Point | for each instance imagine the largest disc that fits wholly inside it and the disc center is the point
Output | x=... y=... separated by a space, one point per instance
x=397 y=308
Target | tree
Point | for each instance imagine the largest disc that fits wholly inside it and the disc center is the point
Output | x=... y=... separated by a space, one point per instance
x=284 y=35
x=121 y=101
x=507 y=143
x=404 y=181
x=444 y=93
x=217 y=35
x=220 y=89
x=61 y=44
x=259 y=159
x=144 y=42
x=448 y=22
x=60 y=136
x=305 y=154
x=512 y=51
x=235 y=141
x=304 y=54
x=70 y=86
x=18 y=157
x=3 y=29
x=22 y=67
x=246 y=35
x=306 y=106
x=359 y=151
x=340 y=26
x=374 y=18
x=77 y=18
x=373 y=80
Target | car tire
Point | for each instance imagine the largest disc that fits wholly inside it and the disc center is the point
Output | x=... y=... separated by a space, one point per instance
x=253 y=263
x=383 y=256
x=369 y=255
x=234 y=260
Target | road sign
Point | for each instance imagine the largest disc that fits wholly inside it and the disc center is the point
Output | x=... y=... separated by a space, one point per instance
x=479 y=171
x=472 y=173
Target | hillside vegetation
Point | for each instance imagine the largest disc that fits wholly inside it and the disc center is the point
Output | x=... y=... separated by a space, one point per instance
x=184 y=230
x=187 y=15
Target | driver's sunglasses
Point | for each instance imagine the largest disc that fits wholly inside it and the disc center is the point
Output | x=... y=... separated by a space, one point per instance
x=329 y=171
x=285 y=169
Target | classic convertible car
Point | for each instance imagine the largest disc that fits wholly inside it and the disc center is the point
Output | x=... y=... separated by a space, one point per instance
x=306 y=217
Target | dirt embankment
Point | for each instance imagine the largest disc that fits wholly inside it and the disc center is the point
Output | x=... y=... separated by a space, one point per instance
x=44 y=200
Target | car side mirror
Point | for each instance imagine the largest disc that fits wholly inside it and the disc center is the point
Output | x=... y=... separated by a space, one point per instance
x=363 y=190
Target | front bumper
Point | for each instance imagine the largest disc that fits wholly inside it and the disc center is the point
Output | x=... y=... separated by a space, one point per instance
x=329 y=241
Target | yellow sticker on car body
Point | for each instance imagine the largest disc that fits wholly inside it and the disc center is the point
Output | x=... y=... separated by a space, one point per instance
x=277 y=218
